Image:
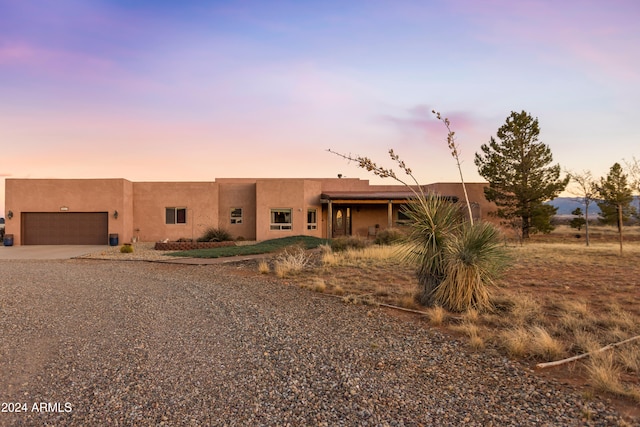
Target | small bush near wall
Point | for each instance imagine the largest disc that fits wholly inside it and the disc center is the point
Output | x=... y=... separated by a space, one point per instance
x=126 y=248
x=344 y=243
x=213 y=234
x=388 y=236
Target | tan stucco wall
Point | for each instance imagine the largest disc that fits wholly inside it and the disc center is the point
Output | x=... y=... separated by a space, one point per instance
x=238 y=195
x=77 y=195
x=276 y=194
x=312 y=191
x=151 y=199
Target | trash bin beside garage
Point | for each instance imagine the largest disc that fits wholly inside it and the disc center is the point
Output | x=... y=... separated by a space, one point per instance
x=113 y=239
x=8 y=240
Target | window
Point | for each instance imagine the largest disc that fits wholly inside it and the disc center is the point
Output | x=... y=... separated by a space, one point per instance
x=236 y=215
x=281 y=219
x=312 y=219
x=176 y=215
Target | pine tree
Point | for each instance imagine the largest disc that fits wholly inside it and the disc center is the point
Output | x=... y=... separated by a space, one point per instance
x=615 y=206
x=520 y=178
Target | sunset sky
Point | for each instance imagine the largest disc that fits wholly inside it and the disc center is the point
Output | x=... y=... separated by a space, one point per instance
x=195 y=90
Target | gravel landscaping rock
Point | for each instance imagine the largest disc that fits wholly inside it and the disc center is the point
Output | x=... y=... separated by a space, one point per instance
x=132 y=343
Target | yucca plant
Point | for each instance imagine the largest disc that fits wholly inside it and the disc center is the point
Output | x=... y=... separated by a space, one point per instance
x=472 y=259
x=433 y=221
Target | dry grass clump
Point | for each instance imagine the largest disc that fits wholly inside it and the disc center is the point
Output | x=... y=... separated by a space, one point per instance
x=516 y=341
x=407 y=300
x=604 y=374
x=472 y=331
x=437 y=315
x=525 y=310
x=630 y=358
x=263 y=267
x=618 y=317
x=291 y=260
x=585 y=341
x=338 y=290
x=544 y=345
x=318 y=285
x=533 y=341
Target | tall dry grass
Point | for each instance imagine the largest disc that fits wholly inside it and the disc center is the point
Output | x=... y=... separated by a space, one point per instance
x=605 y=373
x=362 y=257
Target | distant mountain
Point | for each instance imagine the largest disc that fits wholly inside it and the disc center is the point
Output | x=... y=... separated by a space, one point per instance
x=566 y=205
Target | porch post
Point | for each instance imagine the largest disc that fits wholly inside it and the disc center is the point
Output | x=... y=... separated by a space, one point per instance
x=390 y=214
x=330 y=220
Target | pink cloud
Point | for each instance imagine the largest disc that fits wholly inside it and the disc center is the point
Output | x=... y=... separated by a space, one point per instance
x=421 y=118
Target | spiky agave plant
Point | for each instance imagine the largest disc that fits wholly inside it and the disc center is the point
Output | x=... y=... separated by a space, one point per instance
x=472 y=259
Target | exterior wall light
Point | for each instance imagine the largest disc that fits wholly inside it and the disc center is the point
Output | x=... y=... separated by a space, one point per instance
x=115 y=214
x=10 y=214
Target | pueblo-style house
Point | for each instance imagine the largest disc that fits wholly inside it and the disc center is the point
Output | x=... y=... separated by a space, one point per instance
x=88 y=211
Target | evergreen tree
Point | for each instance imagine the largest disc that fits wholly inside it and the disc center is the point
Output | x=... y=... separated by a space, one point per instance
x=615 y=206
x=520 y=177
x=579 y=221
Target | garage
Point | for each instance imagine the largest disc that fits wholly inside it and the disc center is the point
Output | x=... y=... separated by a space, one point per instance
x=65 y=228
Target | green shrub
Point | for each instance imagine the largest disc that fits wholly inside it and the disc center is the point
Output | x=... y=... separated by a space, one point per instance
x=127 y=248
x=344 y=243
x=388 y=236
x=213 y=234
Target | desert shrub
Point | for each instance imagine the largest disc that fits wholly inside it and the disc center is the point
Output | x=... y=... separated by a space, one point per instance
x=126 y=249
x=472 y=260
x=213 y=234
x=388 y=236
x=344 y=243
x=292 y=259
x=184 y=239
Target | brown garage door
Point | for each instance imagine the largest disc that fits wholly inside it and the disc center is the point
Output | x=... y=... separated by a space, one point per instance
x=65 y=228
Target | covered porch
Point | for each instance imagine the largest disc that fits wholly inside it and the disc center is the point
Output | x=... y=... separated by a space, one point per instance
x=362 y=214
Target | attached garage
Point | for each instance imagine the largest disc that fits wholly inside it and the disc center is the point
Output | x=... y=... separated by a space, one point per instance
x=65 y=228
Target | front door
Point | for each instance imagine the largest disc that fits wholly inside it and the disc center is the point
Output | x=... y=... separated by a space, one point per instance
x=341 y=222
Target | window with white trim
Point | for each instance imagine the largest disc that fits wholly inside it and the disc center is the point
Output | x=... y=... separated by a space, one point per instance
x=236 y=215
x=312 y=219
x=281 y=219
x=176 y=215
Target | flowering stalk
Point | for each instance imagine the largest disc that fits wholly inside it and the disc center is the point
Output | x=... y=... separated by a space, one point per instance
x=451 y=142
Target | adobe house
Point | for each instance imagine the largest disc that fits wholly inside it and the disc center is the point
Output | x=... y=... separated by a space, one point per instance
x=88 y=211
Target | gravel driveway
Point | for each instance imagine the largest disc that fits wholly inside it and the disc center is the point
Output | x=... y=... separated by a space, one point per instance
x=88 y=342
